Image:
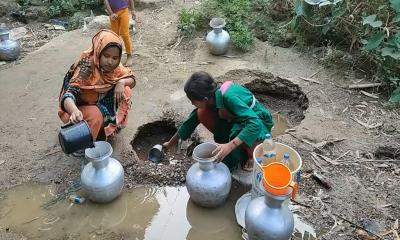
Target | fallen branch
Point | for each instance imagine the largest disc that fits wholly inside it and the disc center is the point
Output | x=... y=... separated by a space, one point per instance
x=356 y=225
x=310 y=80
x=316 y=161
x=369 y=94
x=52 y=152
x=177 y=42
x=376 y=160
x=333 y=162
x=229 y=56
x=33 y=219
x=324 y=143
x=315 y=73
x=367 y=125
x=341 y=156
x=322 y=180
x=300 y=204
x=365 y=85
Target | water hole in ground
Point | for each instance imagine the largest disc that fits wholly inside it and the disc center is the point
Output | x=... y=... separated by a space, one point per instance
x=278 y=94
x=142 y=213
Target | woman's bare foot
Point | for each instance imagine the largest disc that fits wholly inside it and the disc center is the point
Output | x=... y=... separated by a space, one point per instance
x=248 y=165
x=128 y=61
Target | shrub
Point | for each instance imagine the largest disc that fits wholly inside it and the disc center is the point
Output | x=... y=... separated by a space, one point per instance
x=369 y=28
x=59 y=8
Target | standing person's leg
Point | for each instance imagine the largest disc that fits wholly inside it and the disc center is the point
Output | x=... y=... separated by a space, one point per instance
x=124 y=15
x=115 y=25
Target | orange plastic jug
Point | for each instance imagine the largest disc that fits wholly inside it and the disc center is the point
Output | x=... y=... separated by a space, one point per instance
x=277 y=179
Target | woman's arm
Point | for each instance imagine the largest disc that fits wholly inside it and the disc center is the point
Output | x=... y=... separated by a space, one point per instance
x=71 y=108
x=120 y=88
x=185 y=130
x=172 y=141
x=130 y=82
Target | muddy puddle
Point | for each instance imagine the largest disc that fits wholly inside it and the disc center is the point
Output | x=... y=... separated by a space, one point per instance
x=141 y=213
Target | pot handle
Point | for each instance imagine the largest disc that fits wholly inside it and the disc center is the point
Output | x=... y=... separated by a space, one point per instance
x=67 y=125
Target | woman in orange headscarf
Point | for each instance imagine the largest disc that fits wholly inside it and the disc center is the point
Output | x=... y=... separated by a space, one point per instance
x=97 y=88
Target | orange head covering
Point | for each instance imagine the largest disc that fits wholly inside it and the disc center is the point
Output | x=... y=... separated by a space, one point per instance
x=98 y=79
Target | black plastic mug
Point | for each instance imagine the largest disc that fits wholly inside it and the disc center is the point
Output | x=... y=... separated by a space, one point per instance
x=74 y=137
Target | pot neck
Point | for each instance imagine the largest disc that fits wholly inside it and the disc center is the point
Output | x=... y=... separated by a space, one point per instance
x=274 y=201
x=101 y=162
x=218 y=30
x=206 y=166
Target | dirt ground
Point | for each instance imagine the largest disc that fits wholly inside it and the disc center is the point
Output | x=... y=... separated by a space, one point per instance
x=348 y=137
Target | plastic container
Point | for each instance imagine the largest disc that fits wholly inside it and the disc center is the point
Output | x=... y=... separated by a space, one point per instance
x=76 y=199
x=277 y=179
x=156 y=154
x=286 y=158
x=74 y=137
x=295 y=163
x=269 y=150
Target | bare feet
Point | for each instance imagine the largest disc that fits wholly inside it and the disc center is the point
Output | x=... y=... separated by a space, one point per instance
x=128 y=61
x=248 y=165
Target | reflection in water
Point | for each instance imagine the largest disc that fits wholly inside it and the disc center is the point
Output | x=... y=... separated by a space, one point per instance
x=280 y=125
x=150 y=213
x=170 y=219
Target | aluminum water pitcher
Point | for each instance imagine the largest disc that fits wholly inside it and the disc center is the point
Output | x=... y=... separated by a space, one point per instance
x=207 y=182
x=9 y=49
x=268 y=217
x=103 y=177
x=218 y=39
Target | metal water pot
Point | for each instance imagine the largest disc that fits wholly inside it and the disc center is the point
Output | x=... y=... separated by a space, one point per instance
x=268 y=217
x=208 y=183
x=103 y=177
x=9 y=49
x=218 y=39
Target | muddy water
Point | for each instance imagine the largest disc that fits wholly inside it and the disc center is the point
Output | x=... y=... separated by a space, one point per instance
x=280 y=125
x=144 y=213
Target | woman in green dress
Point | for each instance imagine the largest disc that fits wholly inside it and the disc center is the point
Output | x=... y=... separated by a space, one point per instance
x=231 y=112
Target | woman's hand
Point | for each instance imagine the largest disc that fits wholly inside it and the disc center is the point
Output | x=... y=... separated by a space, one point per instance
x=167 y=145
x=119 y=92
x=172 y=141
x=223 y=150
x=76 y=116
x=113 y=16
